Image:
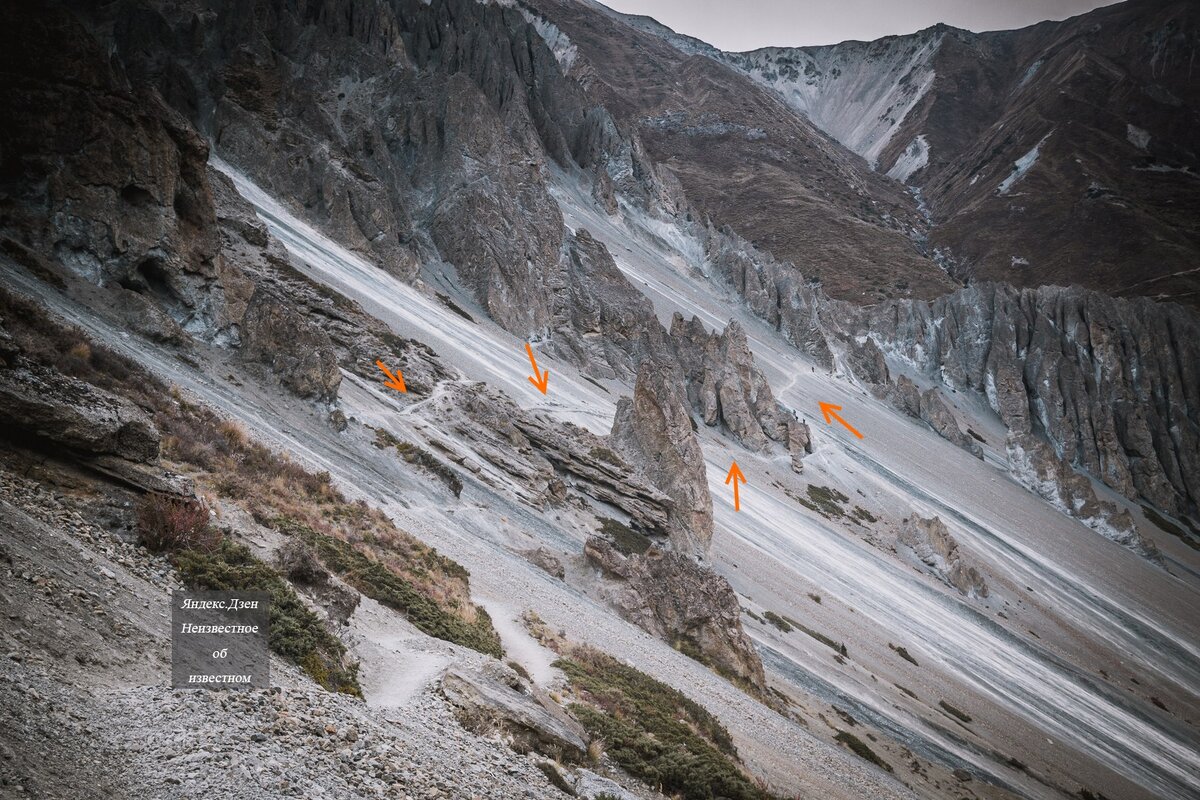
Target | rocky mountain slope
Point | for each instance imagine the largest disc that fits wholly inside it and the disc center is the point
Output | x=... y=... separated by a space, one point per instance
x=1056 y=154
x=218 y=220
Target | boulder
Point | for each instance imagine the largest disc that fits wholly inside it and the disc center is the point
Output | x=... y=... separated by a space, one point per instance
x=931 y=542
x=590 y=786
x=547 y=561
x=492 y=700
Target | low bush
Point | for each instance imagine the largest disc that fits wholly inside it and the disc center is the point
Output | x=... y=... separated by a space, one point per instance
x=296 y=633
x=958 y=714
x=861 y=749
x=624 y=538
x=166 y=524
x=864 y=515
x=298 y=562
x=777 y=621
x=653 y=731
x=837 y=647
x=903 y=653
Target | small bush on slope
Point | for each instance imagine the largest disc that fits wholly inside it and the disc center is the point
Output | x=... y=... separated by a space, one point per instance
x=167 y=524
x=297 y=634
x=861 y=749
x=386 y=586
x=653 y=731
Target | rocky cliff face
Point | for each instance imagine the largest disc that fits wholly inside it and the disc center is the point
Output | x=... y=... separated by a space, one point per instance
x=674 y=598
x=774 y=290
x=931 y=407
x=1089 y=372
x=725 y=387
x=653 y=430
x=107 y=179
x=602 y=322
x=429 y=138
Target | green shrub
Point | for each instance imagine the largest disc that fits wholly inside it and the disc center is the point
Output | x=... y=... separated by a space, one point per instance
x=860 y=749
x=296 y=633
x=624 y=538
x=837 y=647
x=653 y=731
x=825 y=500
x=377 y=581
x=954 y=712
x=777 y=621
x=862 y=514
x=903 y=653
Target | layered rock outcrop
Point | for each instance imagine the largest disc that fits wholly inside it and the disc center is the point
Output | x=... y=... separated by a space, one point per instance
x=653 y=430
x=932 y=543
x=541 y=460
x=44 y=404
x=676 y=599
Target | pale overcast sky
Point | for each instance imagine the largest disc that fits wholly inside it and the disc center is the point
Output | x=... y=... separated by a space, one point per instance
x=748 y=24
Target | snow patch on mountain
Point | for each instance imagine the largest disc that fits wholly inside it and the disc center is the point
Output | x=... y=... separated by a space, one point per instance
x=914 y=157
x=1029 y=73
x=559 y=43
x=1022 y=165
x=1138 y=137
x=857 y=92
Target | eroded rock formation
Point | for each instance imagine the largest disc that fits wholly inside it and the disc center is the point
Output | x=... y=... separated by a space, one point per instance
x=1113 y=384
x=930 y=540
x=1036 y=466
x=653 y=430
x=676 y=599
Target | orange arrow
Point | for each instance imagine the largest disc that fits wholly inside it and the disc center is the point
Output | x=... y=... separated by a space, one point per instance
x=830 y=410
x=539 y=379
x=735 y=475
x=394 y=381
